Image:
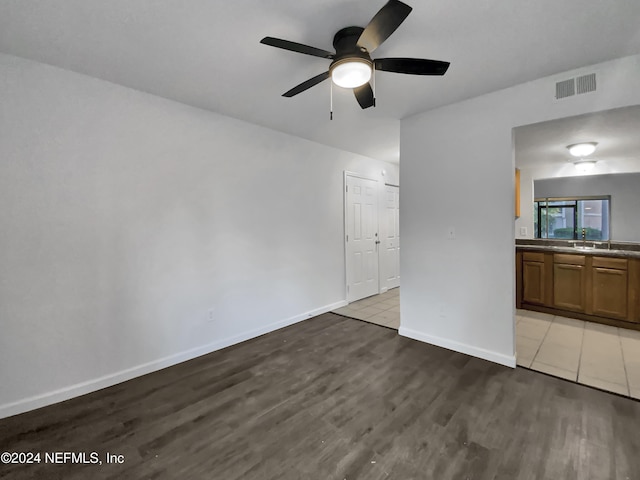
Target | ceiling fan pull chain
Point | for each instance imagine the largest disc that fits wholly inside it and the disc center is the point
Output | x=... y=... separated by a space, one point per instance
x=331 y=100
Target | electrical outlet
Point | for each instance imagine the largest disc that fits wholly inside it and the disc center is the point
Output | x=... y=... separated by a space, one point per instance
x=523 y=231
x=211 y=315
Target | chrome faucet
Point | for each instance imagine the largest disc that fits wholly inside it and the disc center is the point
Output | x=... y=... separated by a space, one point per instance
x=584 y=237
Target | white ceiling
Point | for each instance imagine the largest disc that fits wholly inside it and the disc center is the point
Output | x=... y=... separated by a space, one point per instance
x=616 y=131
x=207 y=53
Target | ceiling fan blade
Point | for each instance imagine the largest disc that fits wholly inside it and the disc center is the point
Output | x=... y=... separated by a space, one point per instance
x=297 y=47
x=306 y=85
x=412 y=66
x=383 y=24
x=364 y=95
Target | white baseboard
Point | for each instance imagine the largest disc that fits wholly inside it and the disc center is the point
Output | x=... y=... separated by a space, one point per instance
x=509 y=361
x=49 y=398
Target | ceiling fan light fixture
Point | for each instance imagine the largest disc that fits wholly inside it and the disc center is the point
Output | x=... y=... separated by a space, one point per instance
x=584 y=166
x=582 y=149
x=351 y=73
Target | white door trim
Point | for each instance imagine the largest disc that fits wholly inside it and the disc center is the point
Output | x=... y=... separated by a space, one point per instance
x=348 y=173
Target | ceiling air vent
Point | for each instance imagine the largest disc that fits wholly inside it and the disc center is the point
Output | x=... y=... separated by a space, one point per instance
x=566 y=88
x=576 y=86
x=586 y=83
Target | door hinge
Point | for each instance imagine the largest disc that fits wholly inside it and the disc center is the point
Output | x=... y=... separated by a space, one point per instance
x=347 y=188
x=347 y=238
x=347 y=288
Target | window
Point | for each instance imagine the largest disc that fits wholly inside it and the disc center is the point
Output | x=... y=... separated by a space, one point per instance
x=565 y=218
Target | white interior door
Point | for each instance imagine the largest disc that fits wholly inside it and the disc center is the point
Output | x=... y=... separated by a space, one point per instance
x=361 y=226
x=391 y=242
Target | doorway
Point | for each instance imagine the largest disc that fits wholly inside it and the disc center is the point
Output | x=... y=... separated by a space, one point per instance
x=579 y=324
x=372 y=236
x=372 y=246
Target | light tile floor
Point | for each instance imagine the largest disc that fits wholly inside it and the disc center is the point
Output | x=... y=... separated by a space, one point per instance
x=585 y=352
x=383 y=309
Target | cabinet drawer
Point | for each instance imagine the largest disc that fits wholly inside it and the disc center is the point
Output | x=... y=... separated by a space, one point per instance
x=608 y=262
x=569 y=259
x=533 y=256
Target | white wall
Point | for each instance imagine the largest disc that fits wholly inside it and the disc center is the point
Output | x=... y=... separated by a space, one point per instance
x=125 y=217
x=528 y=175
x=458 y=171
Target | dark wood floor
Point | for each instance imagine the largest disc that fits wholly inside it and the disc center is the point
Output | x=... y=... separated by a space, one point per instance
x=336 y=398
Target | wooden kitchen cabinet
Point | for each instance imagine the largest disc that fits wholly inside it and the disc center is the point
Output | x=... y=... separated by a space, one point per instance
x=634 y=291
x=610 y=285
x=569 y=282
x=533 y=278
x=603 y=289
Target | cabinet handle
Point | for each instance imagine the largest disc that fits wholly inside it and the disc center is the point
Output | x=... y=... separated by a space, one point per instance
x=610 y=271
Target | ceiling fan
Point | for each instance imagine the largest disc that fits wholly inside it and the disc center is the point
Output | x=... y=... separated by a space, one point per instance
x=352 y=65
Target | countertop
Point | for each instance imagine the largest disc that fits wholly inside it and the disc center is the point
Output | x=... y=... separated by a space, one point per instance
x=579 y=251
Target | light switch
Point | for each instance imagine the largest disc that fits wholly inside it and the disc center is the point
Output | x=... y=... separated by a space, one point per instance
x=523 y=231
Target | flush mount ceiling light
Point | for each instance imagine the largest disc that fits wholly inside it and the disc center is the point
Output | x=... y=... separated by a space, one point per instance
x=584 y=166
x=351 y=72
x=582 y=149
